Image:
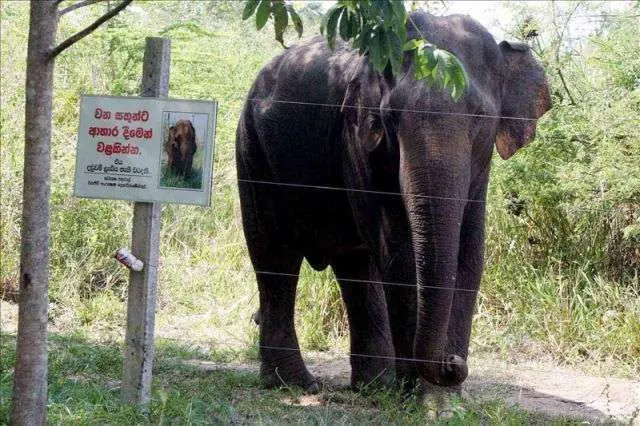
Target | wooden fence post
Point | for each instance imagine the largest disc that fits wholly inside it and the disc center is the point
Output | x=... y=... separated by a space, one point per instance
x=141 y=304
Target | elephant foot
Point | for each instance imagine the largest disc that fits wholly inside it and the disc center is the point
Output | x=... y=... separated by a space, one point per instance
x=275 y=379
x=287 y=373
x=442 y=402
x=451 y=371
x=371 y=372
x=407 y=377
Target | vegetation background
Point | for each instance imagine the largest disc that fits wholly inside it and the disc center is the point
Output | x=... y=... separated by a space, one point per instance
x=563 y=230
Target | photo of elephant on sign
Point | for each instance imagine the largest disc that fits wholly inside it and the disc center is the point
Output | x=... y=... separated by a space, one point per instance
x=182 y=151
x=383 y=178
x=180 y=147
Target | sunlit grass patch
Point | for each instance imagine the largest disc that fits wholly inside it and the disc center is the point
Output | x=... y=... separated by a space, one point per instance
x=84 y=388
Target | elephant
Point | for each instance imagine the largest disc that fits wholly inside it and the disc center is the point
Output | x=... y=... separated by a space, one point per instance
x=180 y=147
x=384 y=178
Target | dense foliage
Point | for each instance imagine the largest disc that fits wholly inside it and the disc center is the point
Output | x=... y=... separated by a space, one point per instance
x=376 y=29
x=564 y=247
x=563 y=253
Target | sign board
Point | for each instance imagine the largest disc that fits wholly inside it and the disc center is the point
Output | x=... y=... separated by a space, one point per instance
x=145 y=149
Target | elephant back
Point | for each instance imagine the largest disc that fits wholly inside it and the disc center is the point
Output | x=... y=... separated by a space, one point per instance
x=290 y=136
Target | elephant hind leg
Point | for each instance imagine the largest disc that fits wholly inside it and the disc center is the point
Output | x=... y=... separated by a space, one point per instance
x=268 y=229
x=282 y=363
x=372 y=354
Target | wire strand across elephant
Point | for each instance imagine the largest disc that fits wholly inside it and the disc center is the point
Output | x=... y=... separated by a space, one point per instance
x=383 y=178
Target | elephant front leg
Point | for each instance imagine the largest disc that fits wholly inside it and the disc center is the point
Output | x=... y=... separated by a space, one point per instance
x=470 y=265
x=401 y=296
x=188 y=166
x=372 y=354
x=282 y=363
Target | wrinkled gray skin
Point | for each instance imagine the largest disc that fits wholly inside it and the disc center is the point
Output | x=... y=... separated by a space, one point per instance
x=429 y=239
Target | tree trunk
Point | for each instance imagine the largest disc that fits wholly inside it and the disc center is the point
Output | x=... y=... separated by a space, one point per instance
x=30 y=377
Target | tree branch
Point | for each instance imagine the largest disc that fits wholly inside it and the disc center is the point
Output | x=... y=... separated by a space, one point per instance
x=566 y=89
x=77 y=6
x=91 y=28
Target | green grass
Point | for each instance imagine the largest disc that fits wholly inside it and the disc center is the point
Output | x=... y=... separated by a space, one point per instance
x=84 y=388
x=171 y=180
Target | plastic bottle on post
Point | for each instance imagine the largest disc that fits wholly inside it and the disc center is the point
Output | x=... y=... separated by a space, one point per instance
x=127 y=259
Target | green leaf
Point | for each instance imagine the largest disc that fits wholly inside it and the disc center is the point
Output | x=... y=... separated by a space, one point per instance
x=377 y=52
x=249 y=8
x=450 y=77
x=434 y=72
x=429 y=55
x=424 y=65
x=295 y=18
x=385 y=44
x=396 y=53
x=325 y=19
x=413 y=44
x=355 y=24
x=388 y=14
x=400 y=11
x=449 y=73
x=352 y=5
x=281 y=20
x=456 y=94
x=377 y=29
x=447 y=77
x=262 y=15
x=345 y=25
x=332 y=24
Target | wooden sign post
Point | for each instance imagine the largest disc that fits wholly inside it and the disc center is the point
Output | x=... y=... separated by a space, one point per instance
x=150 y=150
x=141 y=301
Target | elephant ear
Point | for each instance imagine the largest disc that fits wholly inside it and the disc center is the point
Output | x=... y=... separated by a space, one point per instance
x=525 y=98
x=361 y=107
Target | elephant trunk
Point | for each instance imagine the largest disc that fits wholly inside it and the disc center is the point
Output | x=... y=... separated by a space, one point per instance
x=435 y=193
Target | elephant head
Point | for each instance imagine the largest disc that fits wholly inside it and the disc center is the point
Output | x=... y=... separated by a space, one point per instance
x=409 y=135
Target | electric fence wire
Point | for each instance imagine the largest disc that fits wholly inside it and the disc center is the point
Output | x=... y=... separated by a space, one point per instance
x=398 y=194
x=341 y=279
x=359 y=190
x=202 y=344
x=267 y=102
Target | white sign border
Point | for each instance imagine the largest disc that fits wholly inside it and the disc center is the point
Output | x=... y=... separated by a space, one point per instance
x=208 y=157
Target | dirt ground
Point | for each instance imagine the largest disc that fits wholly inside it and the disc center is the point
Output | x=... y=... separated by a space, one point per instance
x=539 y=387
x=555 y=390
